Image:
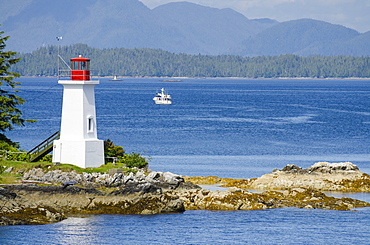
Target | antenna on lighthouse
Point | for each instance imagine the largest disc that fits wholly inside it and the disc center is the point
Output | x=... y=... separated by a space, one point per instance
x=60 y=58
x=58 y=39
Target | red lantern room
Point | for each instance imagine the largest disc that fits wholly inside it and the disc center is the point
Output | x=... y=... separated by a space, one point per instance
x=80 y=68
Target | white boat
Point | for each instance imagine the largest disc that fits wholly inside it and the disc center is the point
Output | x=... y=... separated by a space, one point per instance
x=115 y=78
x=163 y=98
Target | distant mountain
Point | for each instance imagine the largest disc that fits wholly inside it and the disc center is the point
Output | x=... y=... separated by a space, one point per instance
x=179 y=27
x=206 y=30
x=176 y=27
x=308 y=37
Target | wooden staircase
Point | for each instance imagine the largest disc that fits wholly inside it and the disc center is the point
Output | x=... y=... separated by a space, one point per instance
x=42 y=149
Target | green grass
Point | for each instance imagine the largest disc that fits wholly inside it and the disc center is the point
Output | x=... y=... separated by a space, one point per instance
x=22 y=167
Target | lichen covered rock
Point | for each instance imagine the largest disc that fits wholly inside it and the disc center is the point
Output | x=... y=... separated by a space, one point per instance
x=240 y=199
x=322 y=176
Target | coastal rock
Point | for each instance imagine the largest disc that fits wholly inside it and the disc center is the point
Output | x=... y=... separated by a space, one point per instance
x=35 y=204
x=157 y=192
x=142 y=188
x=322 y=176
x=172 y=179
x=169 y=181
x=34 y=174
x=206 y=180
x=4 y=193
x=342 y=167
x=240 y=199
x=8 y=170
x=167 y=177
x=115 y=178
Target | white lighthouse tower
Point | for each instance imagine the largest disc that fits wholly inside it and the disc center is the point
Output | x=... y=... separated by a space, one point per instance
x=78 y=143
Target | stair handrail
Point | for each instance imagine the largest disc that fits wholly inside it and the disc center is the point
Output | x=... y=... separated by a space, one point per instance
x=43 y=145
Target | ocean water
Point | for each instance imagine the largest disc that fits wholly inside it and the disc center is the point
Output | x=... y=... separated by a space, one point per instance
x=279 y=226
x=230 y=128
x=226 y=127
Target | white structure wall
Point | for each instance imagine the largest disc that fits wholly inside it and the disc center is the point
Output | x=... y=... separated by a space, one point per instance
x=78 y=143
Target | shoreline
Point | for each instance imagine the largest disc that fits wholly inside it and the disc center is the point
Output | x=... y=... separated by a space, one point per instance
x=148 y=192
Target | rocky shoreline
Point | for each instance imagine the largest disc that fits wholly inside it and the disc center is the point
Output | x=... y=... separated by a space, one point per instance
x=51 y=196
x=322 y=176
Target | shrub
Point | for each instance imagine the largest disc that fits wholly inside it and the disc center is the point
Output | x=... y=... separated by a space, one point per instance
x=112 y=151
x=17 y=156
x=134 y=160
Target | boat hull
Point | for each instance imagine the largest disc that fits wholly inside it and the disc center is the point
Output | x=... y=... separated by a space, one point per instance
x=163 y=102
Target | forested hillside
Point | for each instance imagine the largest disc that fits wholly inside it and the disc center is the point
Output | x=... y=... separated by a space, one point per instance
x=159 y=63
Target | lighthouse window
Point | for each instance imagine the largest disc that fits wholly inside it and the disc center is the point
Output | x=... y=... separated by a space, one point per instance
x=90 y=124
x=76 y=65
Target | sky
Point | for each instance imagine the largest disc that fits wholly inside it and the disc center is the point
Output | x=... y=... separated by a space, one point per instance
x=354 y=14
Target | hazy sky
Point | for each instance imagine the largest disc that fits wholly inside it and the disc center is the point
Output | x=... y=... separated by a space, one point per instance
x=350 y=13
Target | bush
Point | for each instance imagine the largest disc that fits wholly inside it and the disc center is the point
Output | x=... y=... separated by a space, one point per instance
x=112 y=151
x=17 y=156
x=131 y=160
x=134 y=160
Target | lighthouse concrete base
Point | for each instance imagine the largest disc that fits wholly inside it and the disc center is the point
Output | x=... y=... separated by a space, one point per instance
x=84 y=153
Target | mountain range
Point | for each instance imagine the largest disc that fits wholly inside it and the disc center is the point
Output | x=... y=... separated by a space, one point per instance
x=179 y=27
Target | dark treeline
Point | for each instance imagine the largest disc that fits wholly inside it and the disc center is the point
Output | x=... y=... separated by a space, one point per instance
x=159 y=63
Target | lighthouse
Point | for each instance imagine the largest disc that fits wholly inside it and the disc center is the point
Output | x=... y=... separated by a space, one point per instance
x=78 y=143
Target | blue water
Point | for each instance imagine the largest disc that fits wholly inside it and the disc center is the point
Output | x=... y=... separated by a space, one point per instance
x=229 y=128
x=279 y=226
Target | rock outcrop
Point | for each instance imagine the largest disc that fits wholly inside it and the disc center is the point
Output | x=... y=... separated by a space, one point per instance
x=33 y=204
x=56 y=195
x=240 y=199
x=322 y=176
x=136 y=181
x=50 y=196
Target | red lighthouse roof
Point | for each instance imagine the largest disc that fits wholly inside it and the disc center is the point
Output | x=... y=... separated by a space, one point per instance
x=80 y=58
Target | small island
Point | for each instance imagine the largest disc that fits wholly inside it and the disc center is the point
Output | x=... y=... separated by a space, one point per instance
x=47 y=194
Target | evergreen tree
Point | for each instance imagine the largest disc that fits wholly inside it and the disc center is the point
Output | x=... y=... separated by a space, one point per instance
x=159 y=63
x=10 y=114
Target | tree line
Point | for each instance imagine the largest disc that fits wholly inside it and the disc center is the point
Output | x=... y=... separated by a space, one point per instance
x=145 y=62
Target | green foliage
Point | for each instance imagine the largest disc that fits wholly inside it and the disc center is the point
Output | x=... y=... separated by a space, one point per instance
x=111 y=150
x=2 y=168
x=10 y=114
x=127 y=164
x=130 y=160
x=134 y=160
x=17 y=156
x=26 y=166
x=47 y=158
x=159 y=63
x=7 y=145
